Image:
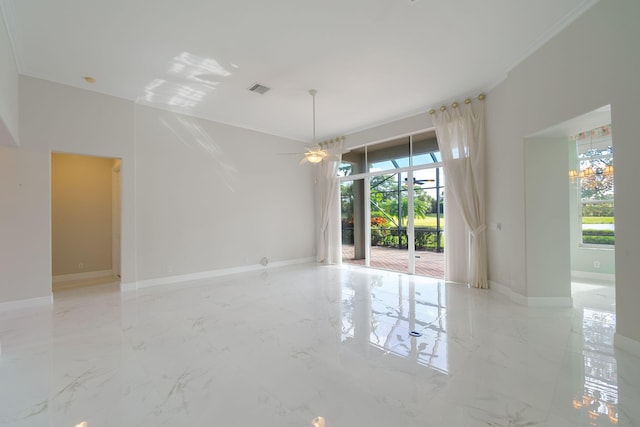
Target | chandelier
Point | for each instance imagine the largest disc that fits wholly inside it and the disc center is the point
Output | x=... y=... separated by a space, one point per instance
x=589 y=172
x=591 y=154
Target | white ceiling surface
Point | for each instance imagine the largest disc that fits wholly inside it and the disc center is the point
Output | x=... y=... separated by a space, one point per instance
x=372 y=61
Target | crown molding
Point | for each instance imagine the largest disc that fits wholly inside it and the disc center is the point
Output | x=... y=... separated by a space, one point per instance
x=8 y=13
x=560 y=25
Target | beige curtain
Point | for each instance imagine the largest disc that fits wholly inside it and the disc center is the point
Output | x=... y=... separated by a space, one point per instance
x=461 y=138
x=330 y=240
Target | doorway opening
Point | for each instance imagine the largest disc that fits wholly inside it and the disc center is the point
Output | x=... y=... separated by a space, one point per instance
x=85 y=220
x=569 y=175
x=591 y=198
x=570 y=243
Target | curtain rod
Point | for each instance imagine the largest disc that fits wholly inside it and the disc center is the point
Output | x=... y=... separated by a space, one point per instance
x=481 y=97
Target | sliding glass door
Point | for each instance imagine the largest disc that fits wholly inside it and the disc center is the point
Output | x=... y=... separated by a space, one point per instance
x=392 y=206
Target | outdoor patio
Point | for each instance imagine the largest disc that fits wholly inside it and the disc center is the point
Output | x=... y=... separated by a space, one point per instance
x=430 y=264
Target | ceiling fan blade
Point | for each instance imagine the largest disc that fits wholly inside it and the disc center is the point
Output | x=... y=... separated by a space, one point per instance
x=420 y=181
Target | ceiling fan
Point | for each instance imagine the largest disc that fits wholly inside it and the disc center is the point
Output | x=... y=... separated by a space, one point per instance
x=317 y=152
x=420 y=181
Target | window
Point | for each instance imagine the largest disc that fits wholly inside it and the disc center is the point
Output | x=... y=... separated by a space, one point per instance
x=596 y=187
x=345 y=169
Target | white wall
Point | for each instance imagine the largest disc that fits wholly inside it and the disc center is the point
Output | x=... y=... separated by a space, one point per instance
x=214 y=196
x=8 y=89
x=547 y=219
x=60 y=118
x=407 y=126
x=583 y=259
x=25 y=238
x=196 y=195
x=594 y=62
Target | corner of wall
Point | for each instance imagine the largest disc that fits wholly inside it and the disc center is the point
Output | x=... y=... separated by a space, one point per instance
x=9 y=134
x=620 y=342
x=508 y=292
x=6 y=137
x=531 y=301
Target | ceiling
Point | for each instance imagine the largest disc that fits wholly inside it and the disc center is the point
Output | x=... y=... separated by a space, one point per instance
x=372 y=61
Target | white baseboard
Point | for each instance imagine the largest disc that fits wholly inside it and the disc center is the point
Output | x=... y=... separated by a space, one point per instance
x=530 y=301
x=82 y=276
x=140 y=284
x=599 y=277
x=626 y=344
x=127 y=287
x=26 y=303
x=560 y=302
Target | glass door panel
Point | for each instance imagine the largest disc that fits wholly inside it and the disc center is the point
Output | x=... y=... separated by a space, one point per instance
x=428 y=202
x=353 y=221
x=388 y=218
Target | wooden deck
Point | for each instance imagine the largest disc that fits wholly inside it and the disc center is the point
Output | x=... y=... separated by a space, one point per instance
x=430 y=264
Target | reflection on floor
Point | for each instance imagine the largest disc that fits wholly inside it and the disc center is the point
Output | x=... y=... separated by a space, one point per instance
x=597 y=401
x=393 y=312
x=310 y=345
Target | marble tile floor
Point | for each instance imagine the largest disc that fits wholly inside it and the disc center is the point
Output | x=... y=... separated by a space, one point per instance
x=282 y=347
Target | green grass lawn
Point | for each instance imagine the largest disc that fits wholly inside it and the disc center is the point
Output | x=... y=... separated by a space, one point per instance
x=597 y=220
x=429 y=221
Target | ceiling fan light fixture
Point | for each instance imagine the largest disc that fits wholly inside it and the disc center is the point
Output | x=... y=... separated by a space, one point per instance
x=314 y=157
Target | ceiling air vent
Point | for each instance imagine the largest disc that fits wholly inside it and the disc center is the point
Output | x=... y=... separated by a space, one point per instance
x=258 y=88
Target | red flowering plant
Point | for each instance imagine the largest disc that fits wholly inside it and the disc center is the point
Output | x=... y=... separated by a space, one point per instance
x=379 y=221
